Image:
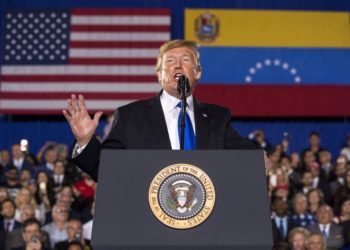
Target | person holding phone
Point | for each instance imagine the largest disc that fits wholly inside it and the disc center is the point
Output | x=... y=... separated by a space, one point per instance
x=32 y=236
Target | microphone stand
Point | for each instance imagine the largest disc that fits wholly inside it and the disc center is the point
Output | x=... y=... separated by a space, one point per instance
x=183 y=87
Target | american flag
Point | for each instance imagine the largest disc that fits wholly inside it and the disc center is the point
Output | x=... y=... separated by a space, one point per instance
x=108 y=55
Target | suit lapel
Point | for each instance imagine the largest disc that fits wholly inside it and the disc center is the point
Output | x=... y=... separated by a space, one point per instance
x=157 y=119
x=202 y=121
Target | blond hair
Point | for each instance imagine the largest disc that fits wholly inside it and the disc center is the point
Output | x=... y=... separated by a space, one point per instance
x=178 y=44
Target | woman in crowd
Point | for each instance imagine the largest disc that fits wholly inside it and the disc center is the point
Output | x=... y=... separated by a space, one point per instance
x=297 y=238
x=315 y=199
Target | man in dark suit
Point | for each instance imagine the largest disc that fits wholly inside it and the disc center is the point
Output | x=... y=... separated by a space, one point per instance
x=153 y=123
x=8 y=222
x=282 y=224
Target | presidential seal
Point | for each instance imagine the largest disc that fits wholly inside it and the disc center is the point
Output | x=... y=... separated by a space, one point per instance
x=181 y=196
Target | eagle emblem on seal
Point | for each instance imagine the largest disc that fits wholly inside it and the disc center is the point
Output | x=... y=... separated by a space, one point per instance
x=181 y=196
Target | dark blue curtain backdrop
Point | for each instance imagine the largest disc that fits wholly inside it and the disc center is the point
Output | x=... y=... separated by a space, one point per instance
x=333 y=133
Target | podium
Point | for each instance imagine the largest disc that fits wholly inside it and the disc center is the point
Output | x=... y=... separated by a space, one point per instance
x=240 y=218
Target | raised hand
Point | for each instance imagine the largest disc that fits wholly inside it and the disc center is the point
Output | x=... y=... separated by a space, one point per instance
x=80 y=122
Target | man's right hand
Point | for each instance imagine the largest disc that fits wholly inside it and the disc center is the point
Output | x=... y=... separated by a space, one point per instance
x=80 y=122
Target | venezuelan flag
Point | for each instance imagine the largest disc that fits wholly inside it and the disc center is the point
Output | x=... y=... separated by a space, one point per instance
x=273 y=62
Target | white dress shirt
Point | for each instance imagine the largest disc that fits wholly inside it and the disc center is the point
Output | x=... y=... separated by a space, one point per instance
x=171 y=114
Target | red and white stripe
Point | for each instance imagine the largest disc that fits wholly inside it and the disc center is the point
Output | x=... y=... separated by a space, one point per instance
x=112 y=54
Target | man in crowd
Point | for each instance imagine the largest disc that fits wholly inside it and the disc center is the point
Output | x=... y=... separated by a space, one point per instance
x=209 y=125
x=281 y=223
x=332 y=233
x=32 y=236
x=75 y=233
x=50 y=158
x=18 y=159
x=58 y=228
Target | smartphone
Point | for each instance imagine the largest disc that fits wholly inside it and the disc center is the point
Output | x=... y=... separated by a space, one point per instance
x=42 y=186
x=34 y=238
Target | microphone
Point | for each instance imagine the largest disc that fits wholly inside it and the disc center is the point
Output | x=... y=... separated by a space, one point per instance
x=183 y=85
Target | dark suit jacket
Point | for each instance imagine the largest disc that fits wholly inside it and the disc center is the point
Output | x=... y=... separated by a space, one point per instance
x=15 y=226
x=141 y=125
x=276 y=233
x=335 y=239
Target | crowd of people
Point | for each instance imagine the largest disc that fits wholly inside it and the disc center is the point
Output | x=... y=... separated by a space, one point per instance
x=48 y=203
x=310 y=194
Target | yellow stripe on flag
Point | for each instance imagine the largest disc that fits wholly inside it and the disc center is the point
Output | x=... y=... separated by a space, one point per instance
x=270 y=28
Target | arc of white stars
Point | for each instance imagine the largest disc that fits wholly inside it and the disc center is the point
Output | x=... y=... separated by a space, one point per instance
x=274 y=63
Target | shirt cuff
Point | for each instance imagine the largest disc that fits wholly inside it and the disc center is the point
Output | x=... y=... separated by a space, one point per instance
x=77 y=150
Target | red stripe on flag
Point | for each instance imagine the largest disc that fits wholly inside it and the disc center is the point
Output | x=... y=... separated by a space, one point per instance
x=120 y=28
x=124 y=44
x=113 y=61
x=121 y=12
x=278 y=100
x=79 y=78
x=64 y=96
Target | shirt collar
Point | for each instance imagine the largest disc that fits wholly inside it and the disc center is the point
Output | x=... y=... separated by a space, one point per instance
x=170 y=102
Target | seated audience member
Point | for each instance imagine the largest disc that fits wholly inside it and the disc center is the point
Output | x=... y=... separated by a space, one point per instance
x=5 y=159
x=343 y=192
x=75 y=233
x=32 y=236
x=332 y=233
x=62 y=152
x=301 y=217
x=308 y=157
x=57 y=229
x=339 y=173
x=64 y=197
x=326 y=166
x=25 y=197
x=15 y=238
x=18 y=159
x=295 y=162
x=281 y=223
x=59 y=178
x=319 y=182
x=8 y=222
x=25 y=177
x=50 y=157
x=12 y=182
x=315 y=200
x=297 y=238
x=316 y=242
x=344 y=211
x=306 y=183
x=44 y=191
x=346 y=150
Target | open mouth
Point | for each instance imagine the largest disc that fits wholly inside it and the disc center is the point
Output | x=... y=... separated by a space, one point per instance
x=177 y=76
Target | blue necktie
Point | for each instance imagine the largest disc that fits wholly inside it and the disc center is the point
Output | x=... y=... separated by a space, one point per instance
x=281 y=229
x=189 y=138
